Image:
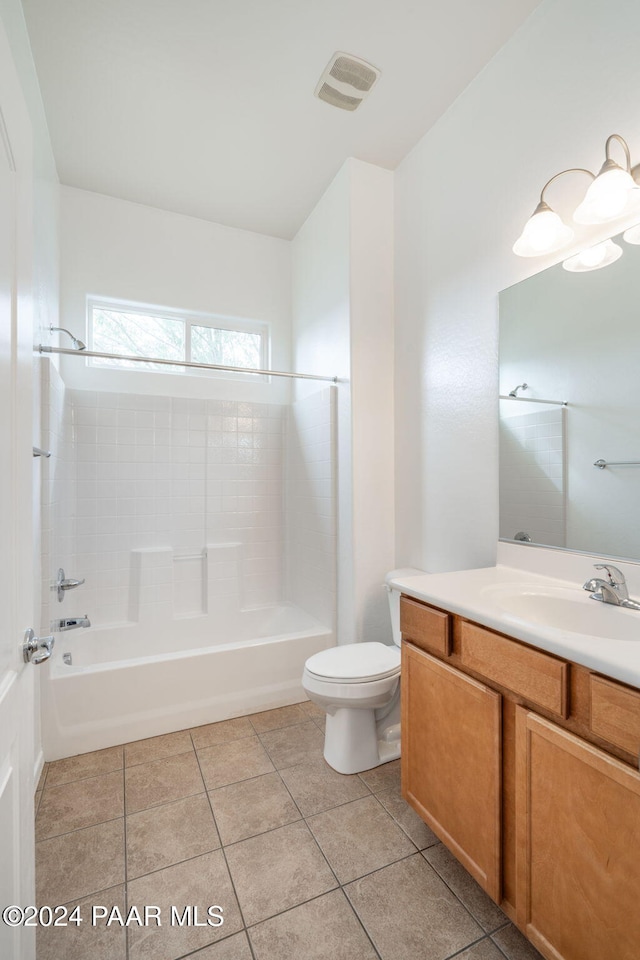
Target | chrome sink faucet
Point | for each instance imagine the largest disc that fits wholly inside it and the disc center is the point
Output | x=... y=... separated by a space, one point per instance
x=612 y=590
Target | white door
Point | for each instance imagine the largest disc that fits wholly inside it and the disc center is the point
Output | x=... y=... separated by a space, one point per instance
x=16 y=479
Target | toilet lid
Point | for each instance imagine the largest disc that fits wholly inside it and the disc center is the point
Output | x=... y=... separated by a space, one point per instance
x=355 y=662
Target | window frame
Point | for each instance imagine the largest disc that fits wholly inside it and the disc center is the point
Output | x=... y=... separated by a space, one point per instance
x=189 y=318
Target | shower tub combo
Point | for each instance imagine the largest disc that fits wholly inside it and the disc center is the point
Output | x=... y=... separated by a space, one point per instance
x=130 y=682
x=206 y=532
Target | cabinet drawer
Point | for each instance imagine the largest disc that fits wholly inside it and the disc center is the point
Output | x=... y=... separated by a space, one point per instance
x=425 y=627
x=615 y=713
x=535 y=676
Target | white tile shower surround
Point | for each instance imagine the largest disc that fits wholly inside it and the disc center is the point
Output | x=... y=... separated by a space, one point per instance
x=310 y=510
x=532 y=475
x=204 y=483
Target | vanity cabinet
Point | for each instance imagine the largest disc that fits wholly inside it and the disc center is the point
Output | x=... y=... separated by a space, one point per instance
x=578 y=845
x=453 y=725
x=526 y=766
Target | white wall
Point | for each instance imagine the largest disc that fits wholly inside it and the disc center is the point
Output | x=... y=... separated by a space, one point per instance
x=343 y=325
x=113 y=248
x=546 y=102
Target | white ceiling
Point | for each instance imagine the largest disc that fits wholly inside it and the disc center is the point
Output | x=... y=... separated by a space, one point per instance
x=206 y=107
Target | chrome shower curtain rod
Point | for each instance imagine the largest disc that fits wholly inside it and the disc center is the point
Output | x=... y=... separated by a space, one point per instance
x=70 y=352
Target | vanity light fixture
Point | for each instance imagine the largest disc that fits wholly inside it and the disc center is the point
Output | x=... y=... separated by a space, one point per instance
x=593 y=258
x=612 y=193
x=544 y=231
x=632 y=235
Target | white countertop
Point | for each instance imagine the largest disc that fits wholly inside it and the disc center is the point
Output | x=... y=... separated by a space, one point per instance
x=478 y=595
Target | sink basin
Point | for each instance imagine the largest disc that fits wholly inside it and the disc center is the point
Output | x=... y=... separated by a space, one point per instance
x=566 y=609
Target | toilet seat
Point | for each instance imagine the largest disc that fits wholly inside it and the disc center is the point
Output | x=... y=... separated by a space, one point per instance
x=355 y=663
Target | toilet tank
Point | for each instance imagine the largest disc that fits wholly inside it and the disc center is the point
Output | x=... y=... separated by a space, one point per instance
x=394 y=597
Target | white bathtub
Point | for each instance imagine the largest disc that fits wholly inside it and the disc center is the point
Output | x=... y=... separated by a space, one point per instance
x=128 y=682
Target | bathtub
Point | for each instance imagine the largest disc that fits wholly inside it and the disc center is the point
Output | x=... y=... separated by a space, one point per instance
x=127 y=682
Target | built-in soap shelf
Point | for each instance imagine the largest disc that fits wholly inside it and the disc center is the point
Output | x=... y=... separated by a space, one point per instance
x=170 y=585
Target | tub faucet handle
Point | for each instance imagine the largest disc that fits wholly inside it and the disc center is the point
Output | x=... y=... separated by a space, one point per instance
x=65 y=583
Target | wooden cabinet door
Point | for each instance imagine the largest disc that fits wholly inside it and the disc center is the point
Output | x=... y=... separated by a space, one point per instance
x=451 y=740
x=578 y=846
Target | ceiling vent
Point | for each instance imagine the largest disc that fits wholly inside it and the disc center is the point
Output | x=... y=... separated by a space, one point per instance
x=346 y=81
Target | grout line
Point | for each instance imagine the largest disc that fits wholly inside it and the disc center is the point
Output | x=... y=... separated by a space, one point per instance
x=473 y=943
x=126 y=873
x=88 y=826
x=468 y=909
x=167 y=866
x=200 y=950
x=93 y=776
x=395 y=822
x=169 y=756
x=502 y=950
x=233 y=886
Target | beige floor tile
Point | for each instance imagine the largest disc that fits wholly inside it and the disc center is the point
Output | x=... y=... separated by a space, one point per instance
x=384 y=777
x=80 y=863
x=478 y=903
x=165 y=835
x=201 y=883
x=250 y=807
x=324 y=928
x=157 y=748
x=85 y=765
x=233 y=948
x=312 y=710
x=276 y=719
x=278 y=870
x=293 y=745
x=315 y=713
x=79 y=942
x=36 y=801
x=161 y=781
x=230 y=762
x=514 y=945
x=223 y=732
x=359 y=837
x=315 y=786
x=484 y=950
x=404 y=815
x=409 y=912
x=81 y=803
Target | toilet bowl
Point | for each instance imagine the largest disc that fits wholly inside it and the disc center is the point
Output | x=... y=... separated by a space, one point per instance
x=358 y=685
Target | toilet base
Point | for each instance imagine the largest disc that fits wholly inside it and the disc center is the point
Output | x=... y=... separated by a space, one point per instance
x=357 y=739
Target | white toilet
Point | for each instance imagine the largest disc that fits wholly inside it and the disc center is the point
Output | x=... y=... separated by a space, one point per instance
x=358 y=684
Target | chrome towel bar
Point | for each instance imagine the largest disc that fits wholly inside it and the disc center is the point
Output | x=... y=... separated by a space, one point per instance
x=601 y=464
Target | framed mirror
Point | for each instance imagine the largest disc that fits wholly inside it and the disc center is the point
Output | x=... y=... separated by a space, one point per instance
x=570 y=466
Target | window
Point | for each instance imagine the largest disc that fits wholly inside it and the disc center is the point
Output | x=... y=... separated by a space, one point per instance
x=127 y=328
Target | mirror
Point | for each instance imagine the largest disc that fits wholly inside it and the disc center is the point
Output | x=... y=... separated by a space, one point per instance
x=572 y=337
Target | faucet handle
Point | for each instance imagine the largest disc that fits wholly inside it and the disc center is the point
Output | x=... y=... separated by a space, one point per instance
x=615 y=576
x=616 y=579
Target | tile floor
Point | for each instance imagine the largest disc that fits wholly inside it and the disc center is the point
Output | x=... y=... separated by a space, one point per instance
x=245 y=814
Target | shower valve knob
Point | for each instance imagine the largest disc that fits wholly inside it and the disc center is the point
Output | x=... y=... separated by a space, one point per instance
x=63 y=583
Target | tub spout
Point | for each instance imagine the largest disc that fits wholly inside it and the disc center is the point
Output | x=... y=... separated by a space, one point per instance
x=70 y=623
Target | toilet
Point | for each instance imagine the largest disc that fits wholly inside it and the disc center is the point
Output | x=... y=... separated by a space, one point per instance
x=358 y=685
